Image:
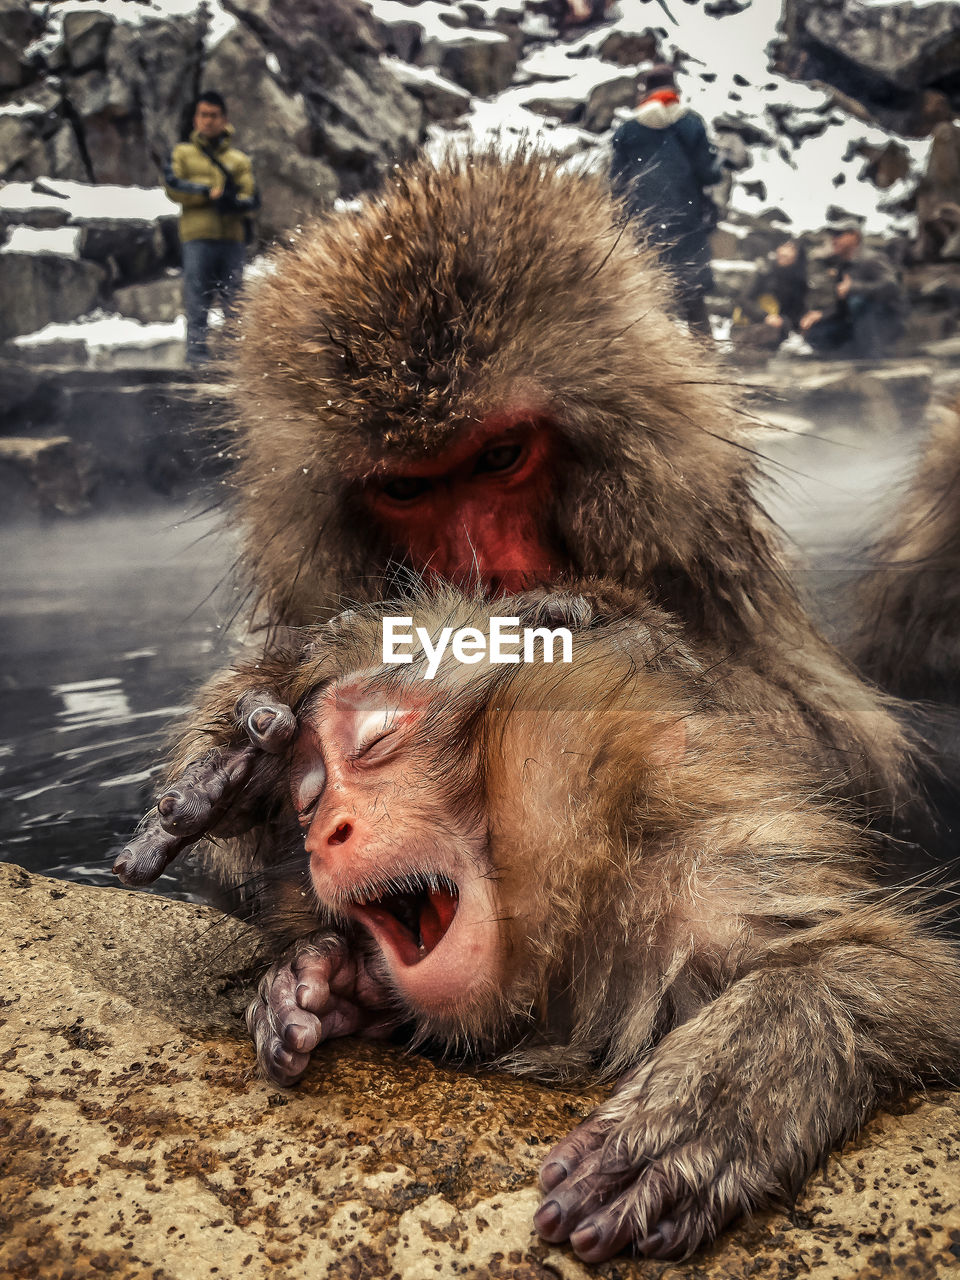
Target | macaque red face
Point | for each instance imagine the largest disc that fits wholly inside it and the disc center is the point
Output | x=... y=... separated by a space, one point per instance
x=476 y=513
x=392 y=849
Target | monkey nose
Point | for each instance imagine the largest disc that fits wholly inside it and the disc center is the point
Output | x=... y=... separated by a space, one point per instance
x=324 y=838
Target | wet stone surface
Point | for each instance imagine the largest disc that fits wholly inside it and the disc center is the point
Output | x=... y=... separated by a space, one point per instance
x=137 y=1141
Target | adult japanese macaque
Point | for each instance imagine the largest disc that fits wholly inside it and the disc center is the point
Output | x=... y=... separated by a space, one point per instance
x=908 y=605
x=589 y=869
x=474 y=378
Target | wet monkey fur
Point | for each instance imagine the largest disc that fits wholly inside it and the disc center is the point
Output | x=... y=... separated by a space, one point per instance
x=908 y=605
x=474 y=378
x=591 y=870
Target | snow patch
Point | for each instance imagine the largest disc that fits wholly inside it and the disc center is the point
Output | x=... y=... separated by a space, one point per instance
x=62 y=241
x=99 y=330
x=89 y=202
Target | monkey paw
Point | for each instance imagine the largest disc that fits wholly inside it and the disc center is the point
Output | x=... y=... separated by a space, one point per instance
x=324 y=991
x=215 y=795
x=605 y=1195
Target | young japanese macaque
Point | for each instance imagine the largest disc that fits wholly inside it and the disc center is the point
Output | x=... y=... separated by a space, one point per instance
x=474 y=378
x=588 y=869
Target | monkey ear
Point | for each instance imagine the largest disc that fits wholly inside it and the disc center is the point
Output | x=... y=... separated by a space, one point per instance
x=670 y=746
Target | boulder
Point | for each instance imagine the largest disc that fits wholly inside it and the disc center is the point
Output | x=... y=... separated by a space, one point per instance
x=362 y=119
x=22 y=153
x=132 y=111
x=139 y=1139
x=556 y=106
x=363 y=124
x=883 y=55
x=20 y=24
x=129 y=250
x=38 y=288
x=400 y=36
x=64 y=158
x=483 y=62
x=36 y=139
x=604 y=99
x=627 y=48
x=52 y=475
x=440 y=98
x=85 y=38
x=18 y=387
x=155 y=301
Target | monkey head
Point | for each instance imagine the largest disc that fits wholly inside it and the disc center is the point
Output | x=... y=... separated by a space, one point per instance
x=438 y=814
x=473 y=375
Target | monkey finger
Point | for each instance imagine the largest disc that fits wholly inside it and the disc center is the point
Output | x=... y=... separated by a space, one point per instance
x=603 y=1235
x=567 y=1155
x=558 y=609
x=282 y=1065
x=148 y=853
x=204 y=791
x=304 y=1033
x=269 y=724
x=618 y=1221
x=571 y=1202
x=314 y=971
x=667 y=1240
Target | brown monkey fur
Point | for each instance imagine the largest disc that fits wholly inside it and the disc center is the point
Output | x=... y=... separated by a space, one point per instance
x=677 y=911
x=908 y=605
x=382 y=336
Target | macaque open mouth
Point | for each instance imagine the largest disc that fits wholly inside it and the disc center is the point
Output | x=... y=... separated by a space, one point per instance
x=413 y=917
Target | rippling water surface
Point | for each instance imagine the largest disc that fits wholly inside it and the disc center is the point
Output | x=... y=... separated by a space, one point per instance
x=108 y=624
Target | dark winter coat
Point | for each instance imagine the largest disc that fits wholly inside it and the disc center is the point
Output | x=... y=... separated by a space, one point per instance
x=662 y=161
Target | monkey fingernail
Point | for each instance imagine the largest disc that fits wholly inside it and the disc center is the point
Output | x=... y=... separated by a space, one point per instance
x=167 y=804
x=551 y=1174
x=586 y=1238
x=547 y=1218
x=662 y=1242
x=259 y=721
x=296 y=1036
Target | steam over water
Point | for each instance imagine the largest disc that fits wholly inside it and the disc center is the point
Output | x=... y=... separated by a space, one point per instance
x=108 y=626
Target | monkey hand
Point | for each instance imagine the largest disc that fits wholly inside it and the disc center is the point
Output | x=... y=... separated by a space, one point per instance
x=646 y=1173
x=324 y=990
x=222 y=793
x=586 y=605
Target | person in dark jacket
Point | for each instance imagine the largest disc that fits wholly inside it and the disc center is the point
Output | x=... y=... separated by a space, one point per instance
x=867 y=317
x=213 y=182
x=776 y=301
x=662 y=161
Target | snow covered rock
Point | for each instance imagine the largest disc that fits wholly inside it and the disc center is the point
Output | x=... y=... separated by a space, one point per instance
x=880 y=51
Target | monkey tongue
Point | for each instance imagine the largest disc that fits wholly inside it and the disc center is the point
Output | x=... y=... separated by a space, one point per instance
x=436 y=917
x=392 y=919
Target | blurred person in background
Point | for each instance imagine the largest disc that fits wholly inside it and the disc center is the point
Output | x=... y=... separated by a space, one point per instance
x=776 y=301
x=867 y=316
x=214 y=184
x=662 y=163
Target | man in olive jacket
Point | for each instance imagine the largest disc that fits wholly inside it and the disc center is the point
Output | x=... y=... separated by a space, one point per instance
x=213 y=182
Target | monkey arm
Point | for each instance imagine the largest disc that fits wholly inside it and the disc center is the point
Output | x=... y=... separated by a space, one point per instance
x=733 y=1109
x=322 y=990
